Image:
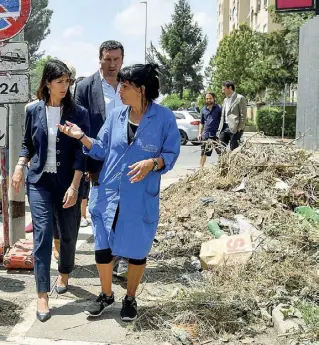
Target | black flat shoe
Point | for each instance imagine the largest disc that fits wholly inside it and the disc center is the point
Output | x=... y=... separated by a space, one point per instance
x=43 y=316
x=61 y=289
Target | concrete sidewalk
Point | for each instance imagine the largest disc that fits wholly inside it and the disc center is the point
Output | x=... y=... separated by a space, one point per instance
x=68 y=324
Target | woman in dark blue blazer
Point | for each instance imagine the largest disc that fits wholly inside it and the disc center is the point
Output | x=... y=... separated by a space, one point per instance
x=53 y=181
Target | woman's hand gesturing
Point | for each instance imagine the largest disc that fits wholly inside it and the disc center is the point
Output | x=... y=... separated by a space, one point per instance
x=70 y=129
x=139 y=170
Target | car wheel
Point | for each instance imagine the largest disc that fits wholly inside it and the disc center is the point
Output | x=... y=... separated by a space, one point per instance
x=195 y=143
x=184 y=138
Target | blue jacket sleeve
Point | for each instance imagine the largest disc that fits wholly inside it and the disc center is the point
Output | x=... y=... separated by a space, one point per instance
x=171 y=146
x=100 y=144
x=27 y=149
x=80 y=158
x=202 y=119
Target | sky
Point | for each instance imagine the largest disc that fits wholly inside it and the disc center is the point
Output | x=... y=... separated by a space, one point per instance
x=78 y=27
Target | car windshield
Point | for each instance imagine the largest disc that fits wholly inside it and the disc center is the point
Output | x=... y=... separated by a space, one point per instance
x=195 y=115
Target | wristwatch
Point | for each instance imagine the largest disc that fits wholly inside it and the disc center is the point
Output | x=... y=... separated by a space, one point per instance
x=155 y=168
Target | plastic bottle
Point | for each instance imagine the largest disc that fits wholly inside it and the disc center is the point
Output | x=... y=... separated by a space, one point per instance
x=308 y=212
x=214 y=229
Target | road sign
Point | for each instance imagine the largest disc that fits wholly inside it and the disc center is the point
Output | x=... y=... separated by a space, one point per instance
x=294 y=5
x=14 y=56
x=14 y=89
x=14 y=15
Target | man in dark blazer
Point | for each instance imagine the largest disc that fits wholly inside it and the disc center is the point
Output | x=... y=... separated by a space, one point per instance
x=99 y=94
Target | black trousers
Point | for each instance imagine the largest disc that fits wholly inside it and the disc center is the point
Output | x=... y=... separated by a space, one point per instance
x=46 y=204
x=227 y=137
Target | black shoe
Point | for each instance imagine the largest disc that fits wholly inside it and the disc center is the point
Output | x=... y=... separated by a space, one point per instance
x=102 y=303
x=129 y=309
x=43 y=316
x=61 y=289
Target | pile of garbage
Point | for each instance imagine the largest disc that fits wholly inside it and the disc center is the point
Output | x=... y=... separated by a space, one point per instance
x=250 y=226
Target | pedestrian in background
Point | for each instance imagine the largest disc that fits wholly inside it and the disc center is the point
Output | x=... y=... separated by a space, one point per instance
x=137 y=144
x=233 y=119
x=194 y=107
x=210 y=119
x=86 y=183
x=99 y=94
x=53 y=181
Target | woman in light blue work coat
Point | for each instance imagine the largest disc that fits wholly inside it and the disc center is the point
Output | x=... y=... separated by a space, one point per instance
x=138 y=144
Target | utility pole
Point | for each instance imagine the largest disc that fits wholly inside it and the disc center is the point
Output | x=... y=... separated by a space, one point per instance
x=284 y=114
x=145 y=2
x=16 y=132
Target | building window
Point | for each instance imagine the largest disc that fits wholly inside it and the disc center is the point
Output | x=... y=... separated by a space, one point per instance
x=266 y=3
x=265 y=28
x=258 y=5
x=252 y=18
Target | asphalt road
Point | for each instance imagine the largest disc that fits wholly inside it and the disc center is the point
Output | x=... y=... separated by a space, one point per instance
x=187 y=163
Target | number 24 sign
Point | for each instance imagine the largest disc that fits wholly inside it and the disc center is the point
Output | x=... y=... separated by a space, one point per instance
x=14 y=89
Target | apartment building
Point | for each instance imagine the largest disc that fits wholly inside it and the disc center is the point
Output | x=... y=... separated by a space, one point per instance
x=232 y=13
x=259 y=16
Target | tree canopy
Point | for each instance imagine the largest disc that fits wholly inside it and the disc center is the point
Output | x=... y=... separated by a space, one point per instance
x=183 y=45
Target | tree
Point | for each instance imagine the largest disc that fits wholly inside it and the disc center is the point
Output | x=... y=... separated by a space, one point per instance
x=183 y=45
x=37 y=28
x=259 y=62
x=235 y=59
x=287 y=42
x=36 y=73
x=173 y=100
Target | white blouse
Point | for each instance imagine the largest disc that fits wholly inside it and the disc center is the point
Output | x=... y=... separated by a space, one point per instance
x=53 y=115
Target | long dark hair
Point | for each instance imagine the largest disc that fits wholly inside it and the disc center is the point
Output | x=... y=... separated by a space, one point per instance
x=55 y=69
x=142 y=75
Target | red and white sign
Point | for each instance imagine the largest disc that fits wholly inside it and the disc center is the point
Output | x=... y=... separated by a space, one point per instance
x=294 y=5
x=14 y=15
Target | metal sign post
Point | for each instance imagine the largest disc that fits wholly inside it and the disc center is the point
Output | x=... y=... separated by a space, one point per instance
x=14 y=89
x=4 y=114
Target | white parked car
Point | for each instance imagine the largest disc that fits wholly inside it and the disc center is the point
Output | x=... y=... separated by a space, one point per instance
x=188 y=124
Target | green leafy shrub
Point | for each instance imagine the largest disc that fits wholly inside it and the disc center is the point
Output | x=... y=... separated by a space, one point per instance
x=269 y=120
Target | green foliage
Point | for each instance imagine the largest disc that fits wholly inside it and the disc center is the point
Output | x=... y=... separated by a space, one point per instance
x=183 y=45
x=256 y=61
x=269 y=120
x=37 y=28
x=36 y=73
x=235 y=58
x=173 y=100
x=310 y=312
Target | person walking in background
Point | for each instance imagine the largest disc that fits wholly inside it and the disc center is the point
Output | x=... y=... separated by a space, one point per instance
x=137 y=144
x=56 y=167
x=210 y=119
x=233 y=119
x=56 y=230
x=86 y=183
x=99 y=94
x=194 y=107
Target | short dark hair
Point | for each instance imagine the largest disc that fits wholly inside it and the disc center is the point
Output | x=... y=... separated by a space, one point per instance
x=52 y=70
x=78 y=80
x=142 y=75
x=229 y=84
x=211 y=93
x=110 y=45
